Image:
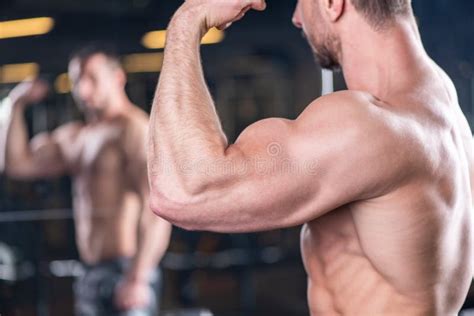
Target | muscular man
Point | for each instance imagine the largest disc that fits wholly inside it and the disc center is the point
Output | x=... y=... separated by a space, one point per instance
x=379 y=174
x=119 y=239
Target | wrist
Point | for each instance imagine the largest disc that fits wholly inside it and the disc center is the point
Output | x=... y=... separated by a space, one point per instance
x=189 y=19
x=136 y=278
x=15 y=102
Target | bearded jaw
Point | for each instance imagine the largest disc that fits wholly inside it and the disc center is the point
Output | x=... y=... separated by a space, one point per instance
x=326 y=51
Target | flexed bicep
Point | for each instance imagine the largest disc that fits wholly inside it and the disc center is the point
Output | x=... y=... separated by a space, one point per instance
x=282 y=173
x=45 y=156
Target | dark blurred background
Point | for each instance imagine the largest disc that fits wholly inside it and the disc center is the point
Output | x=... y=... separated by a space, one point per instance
x=263 y=67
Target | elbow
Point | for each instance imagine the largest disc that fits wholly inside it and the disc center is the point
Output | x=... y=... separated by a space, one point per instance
x=18 y=169
x=163 y=207
x=15 y=172
x=180 y=201
x=177 y=212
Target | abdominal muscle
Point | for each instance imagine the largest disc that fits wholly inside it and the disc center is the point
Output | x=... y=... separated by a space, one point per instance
x=101 y=240
x=106 y=230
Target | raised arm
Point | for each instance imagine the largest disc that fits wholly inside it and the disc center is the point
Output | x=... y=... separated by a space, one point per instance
x=24 y=159
x=279 y=173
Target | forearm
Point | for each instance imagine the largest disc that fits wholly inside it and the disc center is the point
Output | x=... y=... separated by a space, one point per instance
x=152 y=245
x=185 y=130
x=17 y=147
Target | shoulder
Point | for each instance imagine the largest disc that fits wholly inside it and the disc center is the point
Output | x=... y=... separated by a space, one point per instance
x=347 y=117
x=63 y=135
x=137 y=122
x=358 y=124
x=136 y=132
x=351 y=113
x=354 y=135
x=340 y=115
x=341 y=107
x=68 y=131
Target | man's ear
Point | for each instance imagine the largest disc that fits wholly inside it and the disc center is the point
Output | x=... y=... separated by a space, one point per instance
x=334 y=9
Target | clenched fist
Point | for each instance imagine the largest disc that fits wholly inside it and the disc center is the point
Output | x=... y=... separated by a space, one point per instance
x=29 y=92
x=221 y=13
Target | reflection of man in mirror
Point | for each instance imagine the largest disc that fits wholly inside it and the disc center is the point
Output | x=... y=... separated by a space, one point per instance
x=119 y=240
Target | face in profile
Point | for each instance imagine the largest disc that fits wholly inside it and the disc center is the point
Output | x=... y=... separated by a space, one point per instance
x=94 y=81
x=317 y=30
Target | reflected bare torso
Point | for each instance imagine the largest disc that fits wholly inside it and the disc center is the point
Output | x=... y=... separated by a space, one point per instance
x=408 y=252
x=105 y=199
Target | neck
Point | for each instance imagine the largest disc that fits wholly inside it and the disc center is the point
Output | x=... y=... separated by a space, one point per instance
x=117 y=105
x=385 y=62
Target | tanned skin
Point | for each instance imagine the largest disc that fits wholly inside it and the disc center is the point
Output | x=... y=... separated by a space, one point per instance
x=106 y=158
x=378 y=174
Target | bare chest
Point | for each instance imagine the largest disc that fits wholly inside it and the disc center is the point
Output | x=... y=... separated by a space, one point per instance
x=100 y=149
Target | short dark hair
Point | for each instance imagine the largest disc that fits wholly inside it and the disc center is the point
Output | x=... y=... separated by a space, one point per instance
x=379 y=13
x=92 y=49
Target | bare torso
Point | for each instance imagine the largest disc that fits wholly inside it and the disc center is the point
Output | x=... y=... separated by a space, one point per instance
x=407 y=252
x=106 y=204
